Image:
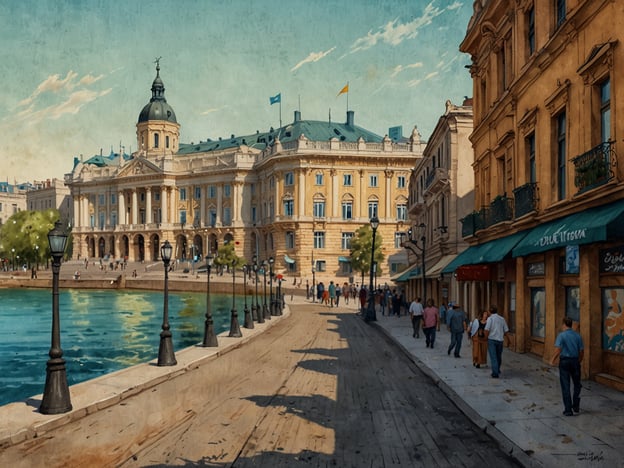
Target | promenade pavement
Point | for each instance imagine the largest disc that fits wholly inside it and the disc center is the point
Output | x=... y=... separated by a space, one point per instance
x=524 y=405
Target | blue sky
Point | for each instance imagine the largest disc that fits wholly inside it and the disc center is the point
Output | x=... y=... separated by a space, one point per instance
x=75 y=74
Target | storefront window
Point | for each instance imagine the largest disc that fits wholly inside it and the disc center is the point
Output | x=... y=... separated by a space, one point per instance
x=613 y=321
x=538 y=312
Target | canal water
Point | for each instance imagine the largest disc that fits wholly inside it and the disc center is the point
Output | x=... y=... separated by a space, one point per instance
x=101 y=331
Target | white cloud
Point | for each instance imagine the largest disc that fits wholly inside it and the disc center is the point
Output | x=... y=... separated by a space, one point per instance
x=313 y=57
x=413 y=83
x=394 y=32
x=431 y=75
x=400 y=68
x=71 y=105
x=211 y=110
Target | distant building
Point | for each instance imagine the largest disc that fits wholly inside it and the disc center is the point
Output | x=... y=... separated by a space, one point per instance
x=546 y=236
x=50 y=194
x=441 y=193
x=12 y=200
x=296 y=193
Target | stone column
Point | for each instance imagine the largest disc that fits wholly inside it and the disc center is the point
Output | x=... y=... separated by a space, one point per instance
x=135 y=207
x=164 y=205
x=202 y=206
x=219 y=203
x=148 y=206
x=334 y=195
x=77 y=221
x=122 y=207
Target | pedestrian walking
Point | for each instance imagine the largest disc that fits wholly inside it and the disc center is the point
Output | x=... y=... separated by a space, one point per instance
x=338 y=294
x=332 y=294
x=479 y=341
x=457 y=326
x=495 y=330
x=569 y=350
x=431 y=322
x=416 y=314
x=396 y=303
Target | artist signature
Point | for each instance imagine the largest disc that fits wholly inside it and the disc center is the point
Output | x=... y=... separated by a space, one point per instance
x=589 y=456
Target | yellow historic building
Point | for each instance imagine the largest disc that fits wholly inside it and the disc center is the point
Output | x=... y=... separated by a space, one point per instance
x=296 y=193
x=546 y=233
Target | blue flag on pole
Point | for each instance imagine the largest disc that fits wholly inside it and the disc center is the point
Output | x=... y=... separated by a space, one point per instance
x=275 y=99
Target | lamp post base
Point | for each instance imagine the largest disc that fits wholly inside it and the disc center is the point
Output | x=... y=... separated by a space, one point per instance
x=235 y=331
x=248 y=318
x=166 y=356
x=210 y=339
x=56 y=399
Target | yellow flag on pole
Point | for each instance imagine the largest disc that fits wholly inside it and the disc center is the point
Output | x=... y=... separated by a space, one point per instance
x=344 y=90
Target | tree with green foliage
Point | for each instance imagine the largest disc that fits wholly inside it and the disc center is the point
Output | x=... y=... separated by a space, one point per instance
x=24 y=236
x=226 y=255
x=361 y=245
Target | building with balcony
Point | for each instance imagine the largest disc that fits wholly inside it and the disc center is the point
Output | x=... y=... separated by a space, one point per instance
x=50 y=194
x=545 y=233
x=441 y=193
x=297 y=193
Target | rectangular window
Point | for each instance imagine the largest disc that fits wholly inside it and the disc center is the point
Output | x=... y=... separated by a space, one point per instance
x=212 y=191
x=196 y=217
x=399 y=237
x=113 y=199
x=401 y=212
x=318 y=179
x=182 y=216
x=372 y=209
x=372 y=180
x=212 y=215
x=252 y=189
x=227 y=216
x=289 y=178
x=319 y=240
x=530 y=18
x=167 y=141
x=289 y=207
x=156 y=140
x=227 y=190
x=561 y=155
x=290 y=240
x=531 y=169
x=182 y=194
x=347 y=180
x=401 y=181
x=612 y=303
x=254 y=214
x=605 y=111
x=345 y=241
x=560 y=12
x=347 y=210
x=156 y=196
x=345 y=268
x=319 y=209
x=142 y=197
x=320 y=265
x=198 y=191
x=114 y=218
x=102 y=219
x=101 y=199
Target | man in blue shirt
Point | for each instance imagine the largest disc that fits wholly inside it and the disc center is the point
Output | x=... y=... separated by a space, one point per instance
x=569 y=349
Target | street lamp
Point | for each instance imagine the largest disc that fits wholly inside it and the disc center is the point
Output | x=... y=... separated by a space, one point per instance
x=278 y=299
x=56 y=397
x=272 y=301
x=370 y=311
x=12 y=259
x=166 y=356
x=313 y=283
x=412 y=244
x=265 y=309
x=259 y=314
x=210 y=339
x=248 y=318
x=235 y=331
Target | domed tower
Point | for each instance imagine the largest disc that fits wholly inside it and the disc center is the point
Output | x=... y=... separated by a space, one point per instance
x=158 y=132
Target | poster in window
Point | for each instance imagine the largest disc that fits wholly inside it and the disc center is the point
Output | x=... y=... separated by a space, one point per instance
x=538 y=312
x=572 y=260
x=613 y=320
x=573 y=303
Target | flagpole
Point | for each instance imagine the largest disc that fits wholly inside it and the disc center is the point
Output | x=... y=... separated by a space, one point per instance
x=347 y=96
x=280 y=103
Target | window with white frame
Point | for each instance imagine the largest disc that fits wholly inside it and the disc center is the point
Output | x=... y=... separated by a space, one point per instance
x=318 y=179
x=289 y=206
x=227 y=190
x=345 y=241
x=347 y=180
x=289 y=178
x=347 y=210
x=227 y=216
x=198 y=193
x=319 y=240
x=401 y=212
x=401 y=181
x=372 y=180
x=372 y=209
x=319 y=209
x=182 y=193
x=290 y=239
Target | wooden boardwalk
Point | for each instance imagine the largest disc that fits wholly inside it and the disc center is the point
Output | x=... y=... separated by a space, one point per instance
x=322 y=389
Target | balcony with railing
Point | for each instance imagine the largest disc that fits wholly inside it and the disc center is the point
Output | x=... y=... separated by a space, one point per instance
x=501 y=209
x=595 y=167
x=436 y=180
x=525 y=199
x=474 y=222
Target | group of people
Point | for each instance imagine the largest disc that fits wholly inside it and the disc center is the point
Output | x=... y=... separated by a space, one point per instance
x=487 y=333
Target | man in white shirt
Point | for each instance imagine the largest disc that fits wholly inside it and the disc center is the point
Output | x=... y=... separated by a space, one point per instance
x=416 y=314
x=495 y=330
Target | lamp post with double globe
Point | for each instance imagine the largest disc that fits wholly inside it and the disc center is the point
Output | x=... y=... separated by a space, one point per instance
x=272 y=299
x=56 y=397
x=259 y=313
x=166 y=356
x=265 y=309
x=313 y=283
x=210 y=338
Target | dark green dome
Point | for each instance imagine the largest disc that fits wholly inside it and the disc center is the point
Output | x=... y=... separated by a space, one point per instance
x=157 y=108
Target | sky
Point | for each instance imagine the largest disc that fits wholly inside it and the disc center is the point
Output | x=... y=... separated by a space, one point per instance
x=75 y=74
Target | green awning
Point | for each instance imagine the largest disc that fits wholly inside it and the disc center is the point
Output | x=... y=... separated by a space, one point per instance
x=586 y=227
x=287 y=259
x=489 y=252
x=344 y=259
x=405 y=275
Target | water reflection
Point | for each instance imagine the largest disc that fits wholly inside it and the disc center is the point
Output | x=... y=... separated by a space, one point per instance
x=101 y=331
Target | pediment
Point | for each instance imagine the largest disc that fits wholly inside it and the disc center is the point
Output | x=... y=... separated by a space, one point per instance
x=138 y=167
